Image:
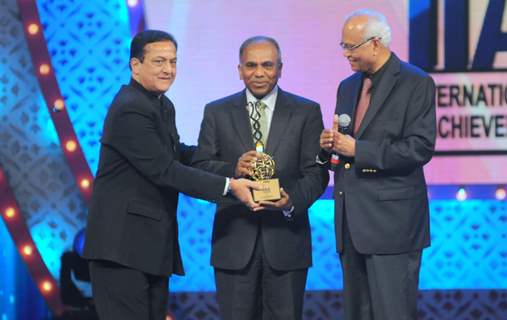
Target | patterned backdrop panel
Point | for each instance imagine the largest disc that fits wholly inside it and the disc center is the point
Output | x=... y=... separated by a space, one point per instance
x=29 y=148
x=88 y=41
x=468 y=251
x=195 y=220
x=328 y=305
x=469 y=245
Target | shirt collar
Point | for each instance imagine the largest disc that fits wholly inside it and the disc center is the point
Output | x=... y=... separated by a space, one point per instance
x=149 y=94
x=375 y=78
x=269 y=99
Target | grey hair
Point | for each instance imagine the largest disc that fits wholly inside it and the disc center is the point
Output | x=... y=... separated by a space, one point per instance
x=376 y=27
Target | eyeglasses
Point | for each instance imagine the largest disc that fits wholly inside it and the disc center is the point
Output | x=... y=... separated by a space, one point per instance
x=352 y=47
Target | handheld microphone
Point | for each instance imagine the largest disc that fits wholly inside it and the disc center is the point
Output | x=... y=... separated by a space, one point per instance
x=343 y=125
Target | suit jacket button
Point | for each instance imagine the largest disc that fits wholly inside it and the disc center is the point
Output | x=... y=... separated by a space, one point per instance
x=346 y=166
x=340 y=193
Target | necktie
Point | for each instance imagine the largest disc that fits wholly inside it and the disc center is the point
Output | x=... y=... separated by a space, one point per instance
x=259 y=123
x=364 y=102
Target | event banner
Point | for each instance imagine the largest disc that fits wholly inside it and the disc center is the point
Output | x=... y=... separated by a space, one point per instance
x=463 y=44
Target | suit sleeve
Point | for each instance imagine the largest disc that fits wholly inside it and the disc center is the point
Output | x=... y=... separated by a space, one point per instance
x=133 y=134
x=314 y=177
x=208 y=152
x=415 y=148
x=186 y=154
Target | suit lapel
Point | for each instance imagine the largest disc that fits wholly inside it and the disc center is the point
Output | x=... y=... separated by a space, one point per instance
x=381 y=93
x=241 y=122
x=279 y=121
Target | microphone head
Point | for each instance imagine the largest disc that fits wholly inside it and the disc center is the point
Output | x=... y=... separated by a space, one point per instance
x=344 y=120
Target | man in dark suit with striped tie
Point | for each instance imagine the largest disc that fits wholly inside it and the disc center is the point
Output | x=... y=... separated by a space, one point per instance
x=261 y=260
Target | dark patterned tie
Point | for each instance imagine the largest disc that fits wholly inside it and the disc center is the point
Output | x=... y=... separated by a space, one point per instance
x=364 y=102
x=259 y=123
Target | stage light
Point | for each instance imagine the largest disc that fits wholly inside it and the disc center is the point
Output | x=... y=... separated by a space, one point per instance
x=33 y=29
x=85 y=183
x=10 y=212
x=500 y=193
x=71 y=145
x=46 y=286
x=58 y=105
x=132 y=3
x=44 y=69
x=461 y=195
x=27 y=250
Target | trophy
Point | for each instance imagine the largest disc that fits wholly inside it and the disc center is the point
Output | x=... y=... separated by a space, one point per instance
x=262 y=170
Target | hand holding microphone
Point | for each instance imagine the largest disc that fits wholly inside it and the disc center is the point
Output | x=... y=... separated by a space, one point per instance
x=340 y=126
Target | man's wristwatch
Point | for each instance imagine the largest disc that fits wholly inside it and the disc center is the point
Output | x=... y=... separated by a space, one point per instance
x=322 y=157
x=227 y=187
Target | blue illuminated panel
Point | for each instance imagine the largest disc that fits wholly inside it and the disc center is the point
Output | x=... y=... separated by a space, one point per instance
x=468 y=251
x=89 y=46
x=19 y=297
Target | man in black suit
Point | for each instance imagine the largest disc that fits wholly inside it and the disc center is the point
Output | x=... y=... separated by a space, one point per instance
x=381 y=203
x=261 y=260
x=132 y=232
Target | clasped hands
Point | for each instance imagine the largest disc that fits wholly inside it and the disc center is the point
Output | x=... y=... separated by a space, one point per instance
x=332 y=140
x=243 y=170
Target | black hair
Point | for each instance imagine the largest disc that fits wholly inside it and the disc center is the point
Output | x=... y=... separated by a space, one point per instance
x=146 y=37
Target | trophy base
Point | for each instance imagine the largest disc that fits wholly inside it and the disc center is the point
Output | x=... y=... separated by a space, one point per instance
x=270 y=191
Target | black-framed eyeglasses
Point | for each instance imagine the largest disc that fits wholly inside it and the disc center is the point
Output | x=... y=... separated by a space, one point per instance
x=352 y=47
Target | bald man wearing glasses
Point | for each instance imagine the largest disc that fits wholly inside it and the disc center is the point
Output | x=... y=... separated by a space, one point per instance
x=381 y=203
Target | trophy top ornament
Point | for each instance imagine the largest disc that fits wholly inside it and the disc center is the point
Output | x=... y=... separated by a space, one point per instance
x=263 y=167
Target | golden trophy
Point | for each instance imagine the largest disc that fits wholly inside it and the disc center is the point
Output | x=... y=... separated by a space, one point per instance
x=262 y=170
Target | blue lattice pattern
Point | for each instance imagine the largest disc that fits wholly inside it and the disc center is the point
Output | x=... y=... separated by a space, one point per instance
x=469 y=238
x=89 y=46
x=30 y=152
x=469 y=247
x=195 y=221
x=326 y=305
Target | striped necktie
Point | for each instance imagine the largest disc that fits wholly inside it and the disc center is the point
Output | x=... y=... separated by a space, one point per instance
x=259 y=123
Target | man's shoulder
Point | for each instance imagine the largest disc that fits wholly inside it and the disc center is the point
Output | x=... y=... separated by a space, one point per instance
x=411 y=70
x=297 y=98
x=356 y=76
x=228 y=101
x=129 y=98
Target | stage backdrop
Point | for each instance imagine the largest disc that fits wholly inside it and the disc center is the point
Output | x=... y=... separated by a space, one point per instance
x=88 y=42
x=464 y=48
